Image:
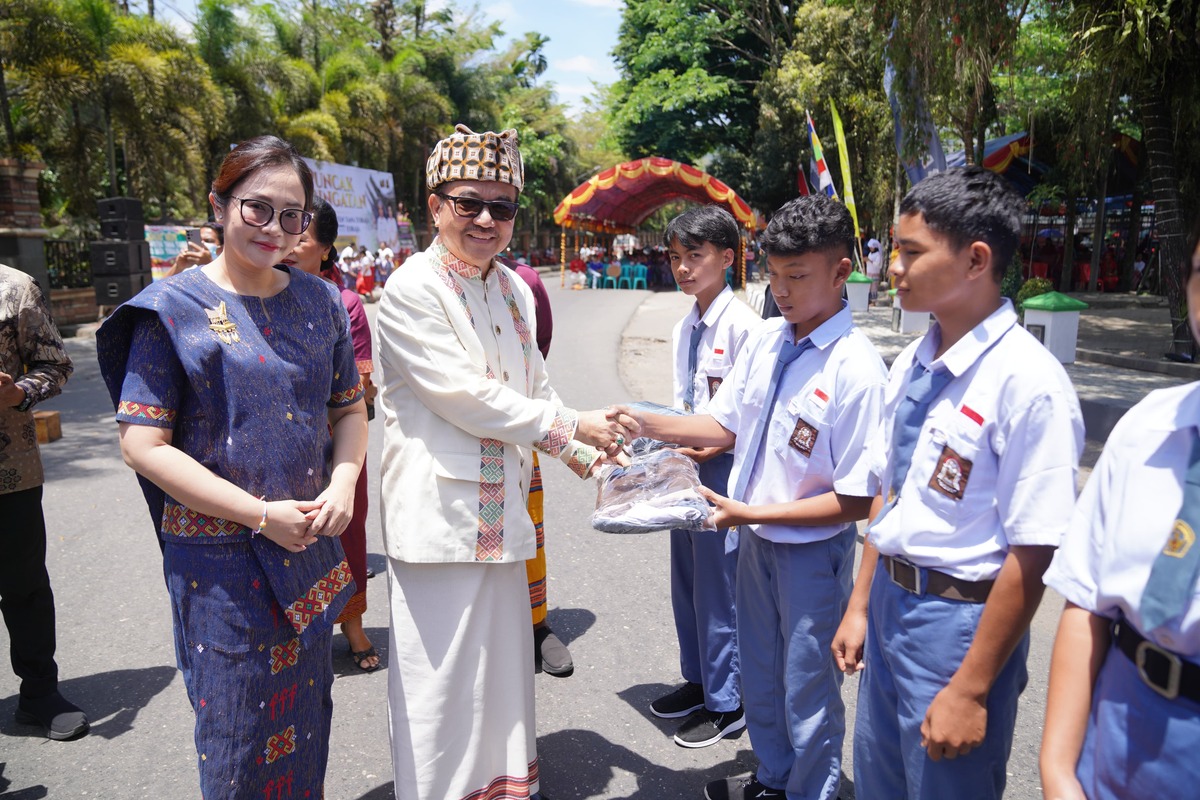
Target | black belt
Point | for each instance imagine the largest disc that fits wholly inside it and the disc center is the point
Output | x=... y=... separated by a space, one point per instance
x=922 y=581
x=1159 y=668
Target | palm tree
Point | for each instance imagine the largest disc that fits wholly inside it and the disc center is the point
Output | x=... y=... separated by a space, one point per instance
x=1150 y=50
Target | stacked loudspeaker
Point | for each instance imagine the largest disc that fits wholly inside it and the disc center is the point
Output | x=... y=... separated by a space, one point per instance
x=121 y=261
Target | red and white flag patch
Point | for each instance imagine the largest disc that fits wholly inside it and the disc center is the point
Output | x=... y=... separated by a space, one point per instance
x=972 y=414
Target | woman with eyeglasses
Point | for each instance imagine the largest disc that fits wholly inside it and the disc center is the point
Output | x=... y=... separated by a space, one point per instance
x=241 y=410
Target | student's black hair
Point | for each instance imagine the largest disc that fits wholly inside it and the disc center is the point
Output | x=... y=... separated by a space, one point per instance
x=810 y=224
x=703 y=224
x=971 y=204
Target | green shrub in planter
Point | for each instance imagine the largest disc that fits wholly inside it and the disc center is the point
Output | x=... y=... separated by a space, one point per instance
x=1031 y=288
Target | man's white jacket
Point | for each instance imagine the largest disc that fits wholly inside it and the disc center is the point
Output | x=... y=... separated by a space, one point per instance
x=465 y=401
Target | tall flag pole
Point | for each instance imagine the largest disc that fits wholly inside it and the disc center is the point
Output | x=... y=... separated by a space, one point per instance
x=844 y=157
x=824 y=181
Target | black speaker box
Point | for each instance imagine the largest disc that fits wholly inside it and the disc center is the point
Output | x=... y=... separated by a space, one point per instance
x=120 y=208
x=124 y=229
x=120 y=258
x=112 y=290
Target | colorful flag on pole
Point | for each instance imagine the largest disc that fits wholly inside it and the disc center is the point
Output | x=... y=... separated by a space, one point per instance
x=844 y=159
x=824 y=181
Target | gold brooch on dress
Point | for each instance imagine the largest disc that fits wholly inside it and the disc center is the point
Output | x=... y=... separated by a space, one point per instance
x=218 y=322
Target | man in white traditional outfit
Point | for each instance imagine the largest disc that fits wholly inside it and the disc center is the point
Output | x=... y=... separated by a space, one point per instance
x=465 y=400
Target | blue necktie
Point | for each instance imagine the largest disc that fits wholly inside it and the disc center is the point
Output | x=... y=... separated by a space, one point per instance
x=787 y=354
x=923 y=387
x=689 y=389
x=1173 y=576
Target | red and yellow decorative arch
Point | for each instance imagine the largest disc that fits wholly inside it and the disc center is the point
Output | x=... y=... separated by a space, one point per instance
x=620 y=198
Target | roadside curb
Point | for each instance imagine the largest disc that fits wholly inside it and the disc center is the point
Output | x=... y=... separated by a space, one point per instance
x=1173 y=368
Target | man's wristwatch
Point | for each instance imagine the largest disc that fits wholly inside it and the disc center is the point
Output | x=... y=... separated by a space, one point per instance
x=25 y=404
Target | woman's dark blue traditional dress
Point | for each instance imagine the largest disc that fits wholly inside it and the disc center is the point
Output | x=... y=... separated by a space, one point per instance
x=244 y=384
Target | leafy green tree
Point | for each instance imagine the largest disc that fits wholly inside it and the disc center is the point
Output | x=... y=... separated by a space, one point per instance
x=834 y=55
x=114 y=103
x=945 y=52
x=686 y=87
x=595 y=140
x=548 y=153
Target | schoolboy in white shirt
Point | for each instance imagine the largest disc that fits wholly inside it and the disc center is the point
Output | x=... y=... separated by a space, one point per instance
x=981 y=441
x=803 y=400
x=702 y=244
x=1123 y=708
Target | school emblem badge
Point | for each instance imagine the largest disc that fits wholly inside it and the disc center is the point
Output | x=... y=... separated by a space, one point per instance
x=804 y=437
x=1181 y=540
x=951 y=475
x=713 y=385
x=218 y=323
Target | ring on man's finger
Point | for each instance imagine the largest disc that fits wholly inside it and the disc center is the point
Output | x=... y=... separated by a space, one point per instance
x=620 y=441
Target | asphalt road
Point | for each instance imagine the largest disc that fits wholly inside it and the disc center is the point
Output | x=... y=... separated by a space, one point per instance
x=608 y=596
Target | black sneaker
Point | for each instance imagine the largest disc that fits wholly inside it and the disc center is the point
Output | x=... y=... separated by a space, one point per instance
x=679 y=703
x=61 y=718
x=705 y=727
x=746 y=788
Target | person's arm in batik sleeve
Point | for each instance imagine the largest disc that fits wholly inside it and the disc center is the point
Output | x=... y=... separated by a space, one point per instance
x=47 y=365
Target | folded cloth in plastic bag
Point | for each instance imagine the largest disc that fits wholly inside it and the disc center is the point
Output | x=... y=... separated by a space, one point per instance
x=644 y=444
x=660 y=490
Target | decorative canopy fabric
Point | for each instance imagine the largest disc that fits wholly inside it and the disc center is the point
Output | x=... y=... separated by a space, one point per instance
x=1008 y=156
x=1011 y=156
x=620 y=198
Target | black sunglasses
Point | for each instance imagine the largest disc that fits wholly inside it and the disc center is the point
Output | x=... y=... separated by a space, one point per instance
x=259 y=215
x=501 y=210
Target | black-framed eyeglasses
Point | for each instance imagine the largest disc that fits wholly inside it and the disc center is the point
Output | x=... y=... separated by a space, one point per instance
x=259 y=214
x=501 y=210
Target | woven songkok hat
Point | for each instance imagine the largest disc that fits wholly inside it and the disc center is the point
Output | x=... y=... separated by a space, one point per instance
x=468 y=156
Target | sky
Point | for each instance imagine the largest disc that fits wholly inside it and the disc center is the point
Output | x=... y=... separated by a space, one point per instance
x=581 y=32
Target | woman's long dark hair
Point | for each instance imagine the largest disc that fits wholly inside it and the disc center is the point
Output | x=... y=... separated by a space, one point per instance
x=324 y=229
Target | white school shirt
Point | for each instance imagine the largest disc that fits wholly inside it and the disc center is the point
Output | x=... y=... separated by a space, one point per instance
x=995 y=462
x=729 y=322
x=827 y=410
x=1125 y=515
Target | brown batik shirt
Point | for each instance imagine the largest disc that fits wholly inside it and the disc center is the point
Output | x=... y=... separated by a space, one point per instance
x=31 y=352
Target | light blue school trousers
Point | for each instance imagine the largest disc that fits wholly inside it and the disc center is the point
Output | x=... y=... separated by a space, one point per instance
x=1139 y=743
x=703 y=571
x=914 y=645
x=790 y=601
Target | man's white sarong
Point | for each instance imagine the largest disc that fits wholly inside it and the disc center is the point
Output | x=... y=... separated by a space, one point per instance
x=460 y=681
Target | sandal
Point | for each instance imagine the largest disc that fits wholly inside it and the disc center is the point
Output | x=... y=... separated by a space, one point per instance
x=361 y=656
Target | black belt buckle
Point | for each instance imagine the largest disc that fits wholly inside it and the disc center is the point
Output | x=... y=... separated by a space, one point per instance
x=899 y=570
x=1142 y=659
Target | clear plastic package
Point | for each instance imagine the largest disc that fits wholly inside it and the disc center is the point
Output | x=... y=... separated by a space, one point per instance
x=659 y=491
